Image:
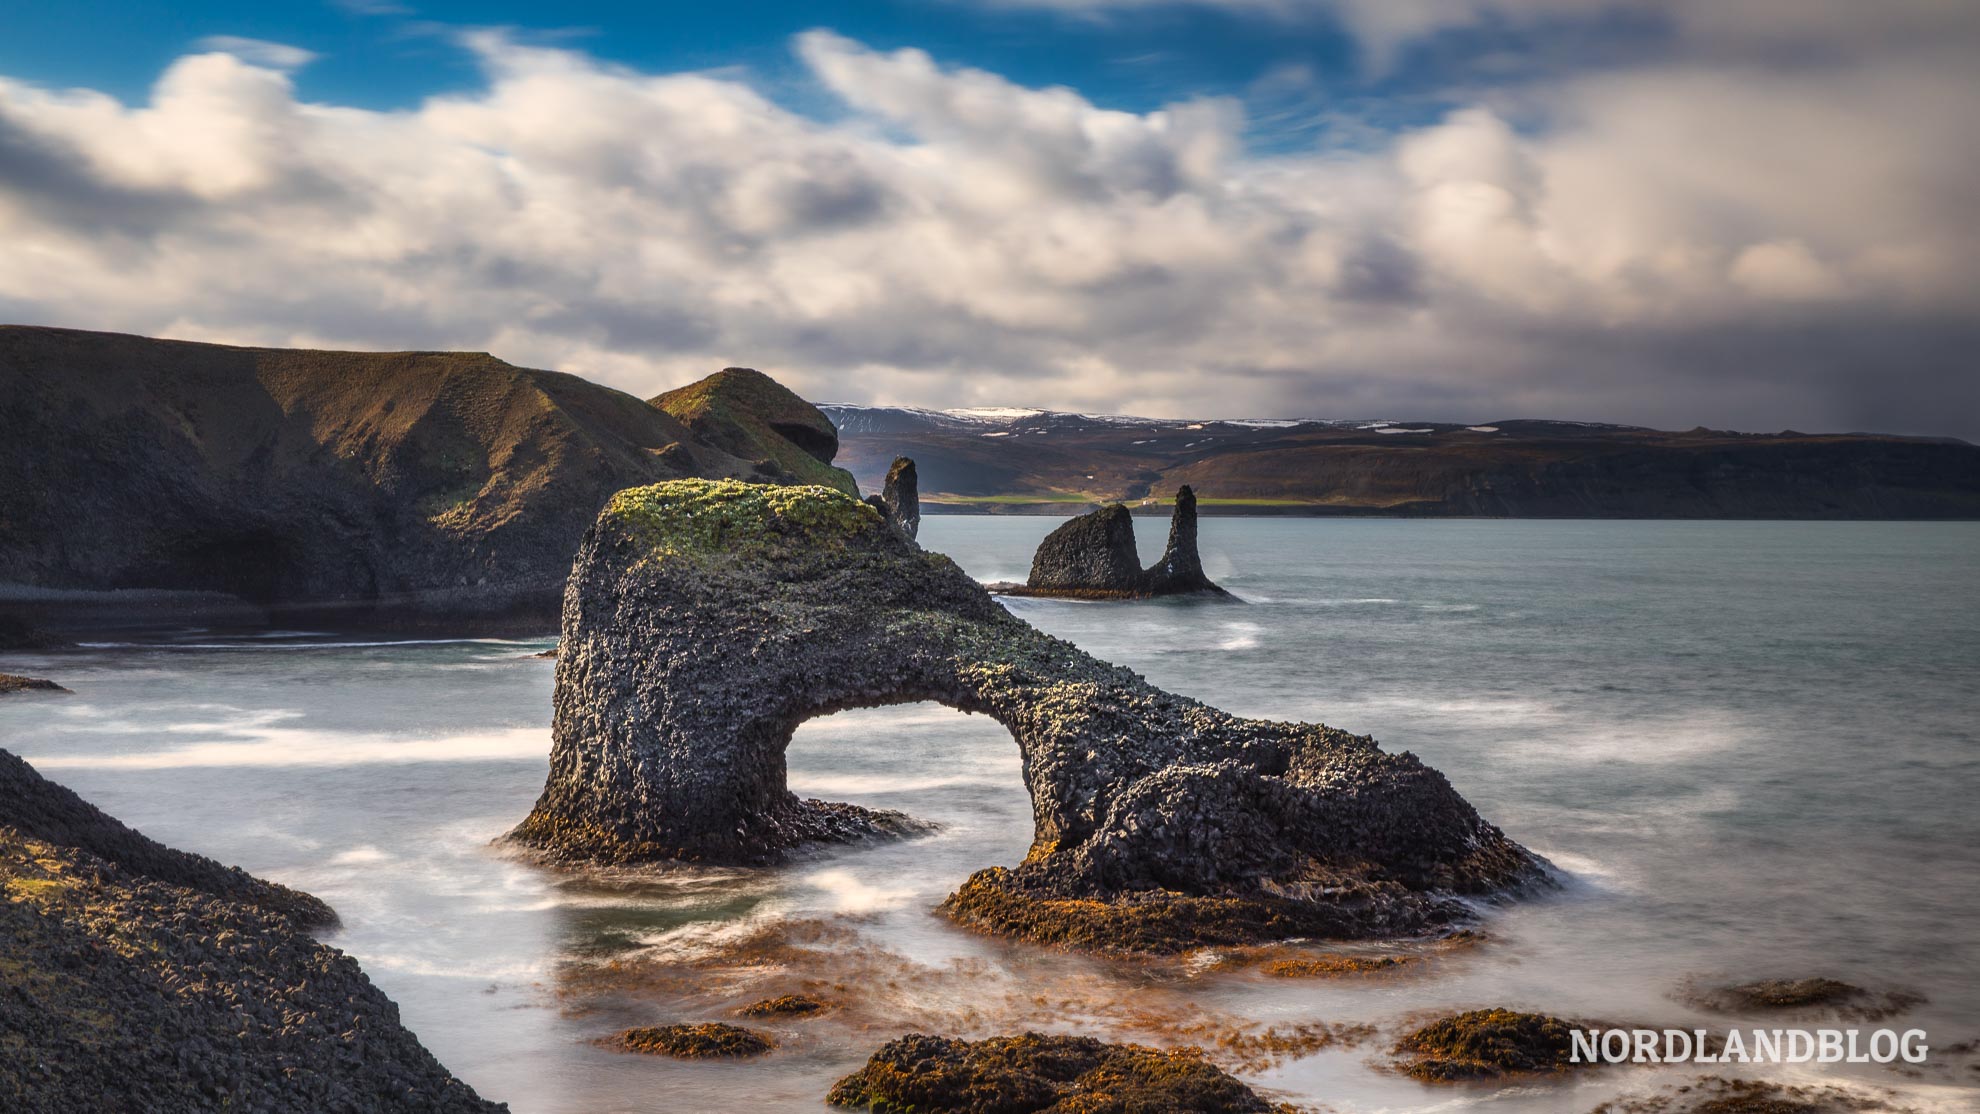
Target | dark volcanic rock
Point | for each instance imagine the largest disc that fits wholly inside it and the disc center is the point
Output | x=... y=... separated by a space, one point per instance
x=18 y=634
x=1092 y=553
x=394 y=485
x=902 y=496
x=40 y=809
x=135 y=977
x=1094 y=556
x=11 y=683
x=1036 y=1073
x=705 y=621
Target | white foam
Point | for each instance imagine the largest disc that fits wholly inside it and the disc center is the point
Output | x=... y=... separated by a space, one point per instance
x=264 y=646
x=290 y=747
x=850 y=894
x=1240 y=636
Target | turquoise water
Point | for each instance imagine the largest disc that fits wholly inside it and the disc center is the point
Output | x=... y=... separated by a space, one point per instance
x=1751 y=746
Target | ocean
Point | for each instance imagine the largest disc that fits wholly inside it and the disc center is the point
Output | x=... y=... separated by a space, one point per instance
x=1749 y=747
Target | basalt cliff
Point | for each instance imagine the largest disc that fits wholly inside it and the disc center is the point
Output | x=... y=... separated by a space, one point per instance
x=383 y=485
x=704 y=621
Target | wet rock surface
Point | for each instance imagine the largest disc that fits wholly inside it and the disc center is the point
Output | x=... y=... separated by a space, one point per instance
x=1094 y=557
x=785 y=1005
x=709 y=1040
x=1487 y=1044
x=1713 y=1094
x=704 y=621
x=135 y=977
x=1039 y=1073
x=1805 y=997
x=11 y=683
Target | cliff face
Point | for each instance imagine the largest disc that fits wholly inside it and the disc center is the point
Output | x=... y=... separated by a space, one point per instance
x=137 y=977
x=705 y=621
x=1048 y=462
x=444 y=481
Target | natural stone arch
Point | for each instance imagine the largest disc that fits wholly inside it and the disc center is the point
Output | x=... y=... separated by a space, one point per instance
x=704 y=621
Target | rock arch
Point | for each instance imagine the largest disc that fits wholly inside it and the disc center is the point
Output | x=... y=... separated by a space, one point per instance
x=704 y=621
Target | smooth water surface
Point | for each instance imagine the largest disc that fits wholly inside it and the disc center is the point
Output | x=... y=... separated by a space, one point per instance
x=1751 y=746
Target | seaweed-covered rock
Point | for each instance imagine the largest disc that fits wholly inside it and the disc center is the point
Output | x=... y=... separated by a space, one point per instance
x=1040 y=1073
x=902 y=496
x=1484 y=1044
x=136 y=977
x=704 y=621
x=11 y=683
x=1094 y=556
x=1807 y=997
x=785 y=1005
x=709 y=1040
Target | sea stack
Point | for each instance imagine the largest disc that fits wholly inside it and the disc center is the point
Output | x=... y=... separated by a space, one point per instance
x=1094 y=557
x=902 y=496
x=705 y=620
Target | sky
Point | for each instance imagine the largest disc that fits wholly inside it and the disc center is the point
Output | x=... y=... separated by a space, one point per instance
x=1751 y=214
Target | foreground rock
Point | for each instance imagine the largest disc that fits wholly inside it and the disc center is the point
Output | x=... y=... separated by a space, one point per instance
x=136 y=977
x=11 y=683
x=392 y=486
x=1805 y=998
x=1094 y=557
x=705 y=621
x=1038 y=1073
x=1487 y=1044
x=709 y=1040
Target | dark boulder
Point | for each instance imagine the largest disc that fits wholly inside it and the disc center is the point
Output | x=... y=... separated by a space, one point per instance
x=704 y=621
x=1092 y=553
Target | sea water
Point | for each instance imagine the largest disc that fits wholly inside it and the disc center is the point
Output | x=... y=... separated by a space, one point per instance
x=1750 y=748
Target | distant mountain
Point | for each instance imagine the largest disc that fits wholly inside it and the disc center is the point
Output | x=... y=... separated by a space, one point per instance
x=1013 y=460
x=389 y=483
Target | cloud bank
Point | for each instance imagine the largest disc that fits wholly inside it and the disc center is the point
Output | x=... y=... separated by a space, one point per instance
x=1760 y=227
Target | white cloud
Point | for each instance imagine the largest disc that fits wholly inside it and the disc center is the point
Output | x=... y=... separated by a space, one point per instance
x=260 y=52
x=1667 y=243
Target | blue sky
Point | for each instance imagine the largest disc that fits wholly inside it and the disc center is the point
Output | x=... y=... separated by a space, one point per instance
x=386 y=55
x=1747 y=213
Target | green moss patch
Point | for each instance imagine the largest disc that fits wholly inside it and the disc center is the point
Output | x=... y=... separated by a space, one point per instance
x=728 y=517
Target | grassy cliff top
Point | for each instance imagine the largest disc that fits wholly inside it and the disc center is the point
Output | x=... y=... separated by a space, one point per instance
x=749 y=414
x=728 y=517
